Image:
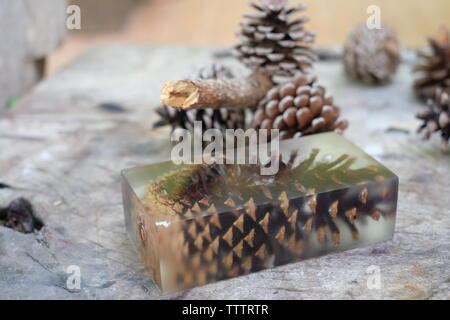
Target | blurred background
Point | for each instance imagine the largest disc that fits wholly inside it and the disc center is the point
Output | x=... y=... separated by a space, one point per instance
x=213 y=22
x=170 y=22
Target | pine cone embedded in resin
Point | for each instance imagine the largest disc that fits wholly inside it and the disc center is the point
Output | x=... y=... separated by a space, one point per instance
x=253 y=221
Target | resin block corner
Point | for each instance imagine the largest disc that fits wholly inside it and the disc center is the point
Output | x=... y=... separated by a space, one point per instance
x=328 y=196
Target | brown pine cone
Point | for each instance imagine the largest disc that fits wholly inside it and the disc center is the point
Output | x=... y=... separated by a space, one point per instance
x=297 y=108
x=210 y=118
x=273 y=42
x=434 y=66
x=437 y=117
x=372 y=56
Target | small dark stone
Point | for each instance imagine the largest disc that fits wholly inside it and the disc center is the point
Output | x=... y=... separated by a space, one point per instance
x=112 y=107
x=4 y=186
x=222 y=53
x=19 y=215
x=3 y=213
x=422 y=178
x=379 y=251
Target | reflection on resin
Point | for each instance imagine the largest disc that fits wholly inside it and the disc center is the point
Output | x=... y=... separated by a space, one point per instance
x=196 y=224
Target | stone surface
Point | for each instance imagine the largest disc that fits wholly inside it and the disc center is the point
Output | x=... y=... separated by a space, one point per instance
x=64 y=153
x=29 y=30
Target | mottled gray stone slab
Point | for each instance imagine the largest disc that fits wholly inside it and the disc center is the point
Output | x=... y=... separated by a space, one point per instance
x=64 y=153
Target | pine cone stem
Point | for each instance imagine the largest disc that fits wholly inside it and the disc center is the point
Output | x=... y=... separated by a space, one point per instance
x=236 y=93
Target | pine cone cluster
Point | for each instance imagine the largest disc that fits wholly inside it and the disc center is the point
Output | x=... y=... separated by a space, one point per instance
x=434 y=66
x=210 y=118
x=297 y=108
x=437 y=117
x=275 y=43
x=372 y=56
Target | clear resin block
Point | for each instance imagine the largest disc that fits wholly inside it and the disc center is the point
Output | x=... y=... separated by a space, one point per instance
x=197 y=224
